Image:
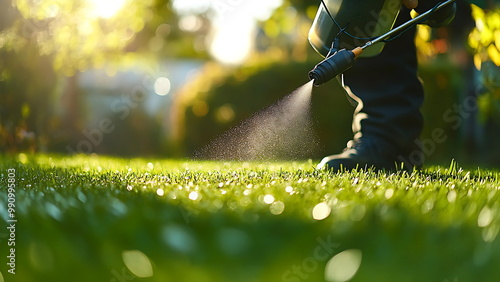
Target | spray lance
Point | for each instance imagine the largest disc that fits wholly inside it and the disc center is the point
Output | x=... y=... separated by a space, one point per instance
x=344 y=30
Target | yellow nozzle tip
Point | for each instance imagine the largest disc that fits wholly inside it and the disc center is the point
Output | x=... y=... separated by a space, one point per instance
x=357 y=51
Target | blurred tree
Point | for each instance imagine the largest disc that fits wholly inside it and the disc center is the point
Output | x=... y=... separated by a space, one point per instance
x=27 y=83
x=46 y=43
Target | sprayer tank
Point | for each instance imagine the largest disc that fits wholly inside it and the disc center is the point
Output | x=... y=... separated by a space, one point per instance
x=359 y=20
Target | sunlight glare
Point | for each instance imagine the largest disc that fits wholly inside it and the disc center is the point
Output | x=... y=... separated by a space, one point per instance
x=231 y=44
x=235 y=27
x=105 y=9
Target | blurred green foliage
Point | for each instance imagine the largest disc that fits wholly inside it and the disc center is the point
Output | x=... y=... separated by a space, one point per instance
x=27 y=85
x=446 y=67
x=45 y=45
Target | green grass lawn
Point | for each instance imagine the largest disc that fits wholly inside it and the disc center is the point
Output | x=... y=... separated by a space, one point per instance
x=87 y=218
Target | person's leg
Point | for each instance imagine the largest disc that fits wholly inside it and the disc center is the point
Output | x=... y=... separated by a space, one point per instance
x=387 y=120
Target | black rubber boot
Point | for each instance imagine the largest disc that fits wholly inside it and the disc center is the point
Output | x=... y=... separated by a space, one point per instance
x=387 y=121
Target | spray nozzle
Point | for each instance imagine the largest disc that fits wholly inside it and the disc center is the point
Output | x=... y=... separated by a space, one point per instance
x=335 y=63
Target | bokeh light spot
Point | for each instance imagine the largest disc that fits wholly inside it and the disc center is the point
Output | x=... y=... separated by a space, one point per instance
x=162 y=86
x=321 y=211
x=389 y=193
x=343 y=266
x=179 y=238
x=485 y=217
x=200 y=108
x=268 y=199
x=138 y=263
x=277 y=208
x=190 y=23
x=23 y=158
x=452 y=196
x=358 y=212
x=490 y=233
x=193 y=195
x=225 y=113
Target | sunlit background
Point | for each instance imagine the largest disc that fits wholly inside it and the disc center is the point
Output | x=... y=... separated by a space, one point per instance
x=163 y=78
x=168 y=76
x=234 y=24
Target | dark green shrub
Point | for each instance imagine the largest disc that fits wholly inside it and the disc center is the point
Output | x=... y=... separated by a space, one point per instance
x=219 y=99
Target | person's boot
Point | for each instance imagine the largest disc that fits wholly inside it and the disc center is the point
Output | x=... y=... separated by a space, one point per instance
x=387 y=121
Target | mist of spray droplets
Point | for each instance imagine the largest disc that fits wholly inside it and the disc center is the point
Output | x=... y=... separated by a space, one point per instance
x=282 y=131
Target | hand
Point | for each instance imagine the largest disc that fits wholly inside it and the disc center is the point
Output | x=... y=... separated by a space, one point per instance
x=410 y=4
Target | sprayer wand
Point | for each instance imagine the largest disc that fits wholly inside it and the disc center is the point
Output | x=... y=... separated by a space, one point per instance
x=339 y=61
